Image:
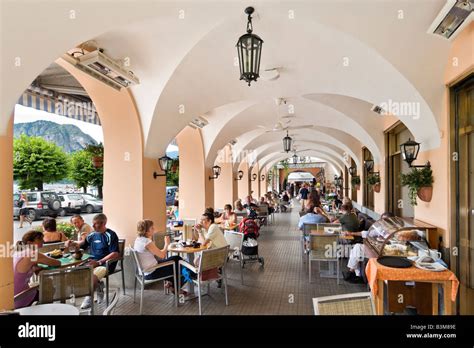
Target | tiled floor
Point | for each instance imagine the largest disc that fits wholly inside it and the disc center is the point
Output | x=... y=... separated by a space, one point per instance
x=282 y=287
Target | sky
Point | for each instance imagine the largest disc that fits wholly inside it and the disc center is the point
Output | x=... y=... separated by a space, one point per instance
x=24 y=114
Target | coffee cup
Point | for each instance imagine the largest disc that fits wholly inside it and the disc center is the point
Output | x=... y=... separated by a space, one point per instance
x=435 y=254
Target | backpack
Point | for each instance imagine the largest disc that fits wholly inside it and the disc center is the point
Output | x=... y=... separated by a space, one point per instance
x=249 y=228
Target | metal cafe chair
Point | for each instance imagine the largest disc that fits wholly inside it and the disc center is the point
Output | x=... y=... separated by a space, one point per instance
x=121 y=269
x=360 y=303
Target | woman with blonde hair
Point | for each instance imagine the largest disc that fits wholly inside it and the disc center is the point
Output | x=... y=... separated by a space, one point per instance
x=147 y=250
x=23 y=202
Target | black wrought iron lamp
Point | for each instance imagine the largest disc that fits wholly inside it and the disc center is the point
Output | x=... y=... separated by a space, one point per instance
x=262 y=177
x=216 y=171
x=353 y=171
x=287 y=141
x=240 y=175
x=295 y=158
x=409 y=151
x=254 y=177
x=249 y=51
x=165 y=165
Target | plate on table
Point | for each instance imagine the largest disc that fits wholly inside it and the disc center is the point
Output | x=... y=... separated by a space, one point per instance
x=394 y=261
x=430 y=266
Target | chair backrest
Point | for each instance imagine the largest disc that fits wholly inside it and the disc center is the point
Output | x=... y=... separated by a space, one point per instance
x=121 y=247
x=61 y=284
x=262 y=209
x=360 y=303
x=234 y=239
x=302 y=213
x=324 y=225
x=46 y=248
x=113 y=303
x=213 y=258
x=307 y=228
x=325 y=246
x=138 y=266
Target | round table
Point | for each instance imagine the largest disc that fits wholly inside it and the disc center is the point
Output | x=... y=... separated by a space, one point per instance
x=49 y=309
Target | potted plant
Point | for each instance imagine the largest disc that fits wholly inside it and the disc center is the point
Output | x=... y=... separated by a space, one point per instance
x=374 y=181
x=419 y=183
x=97 y=154
x=355 y=181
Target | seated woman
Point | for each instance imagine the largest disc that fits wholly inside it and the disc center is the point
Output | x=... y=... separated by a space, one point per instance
x=238 y=207
x=25 y=262
x=50 y=233
x=228 y=217
x=147 y=250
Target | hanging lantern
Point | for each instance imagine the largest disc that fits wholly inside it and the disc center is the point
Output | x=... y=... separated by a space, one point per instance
x=369 y=165
x=287 y=143
x=410 y=150
x=216 y=171
x=353 y=171
x=249 y=51
x=165 y=165
x=295 y=158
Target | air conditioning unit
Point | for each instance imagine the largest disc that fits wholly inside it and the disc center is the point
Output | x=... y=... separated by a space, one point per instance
x=453 y=18
x=198 y=122
x=100 y=66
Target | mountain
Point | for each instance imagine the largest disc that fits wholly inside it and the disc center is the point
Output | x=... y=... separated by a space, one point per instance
x=67 y=136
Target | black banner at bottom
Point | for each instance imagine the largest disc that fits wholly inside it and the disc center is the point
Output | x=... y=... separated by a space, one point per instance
x=89 y=331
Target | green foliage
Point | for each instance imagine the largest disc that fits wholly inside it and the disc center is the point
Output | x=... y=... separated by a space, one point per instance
x=355 y=180
x=82 y=172
x=95 y=150
x=416 y=179
x=68 y=229
x=172 y=177
x=373 y=180
x=37 y=161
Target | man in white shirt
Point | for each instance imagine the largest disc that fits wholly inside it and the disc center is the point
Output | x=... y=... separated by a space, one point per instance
x=210 y=233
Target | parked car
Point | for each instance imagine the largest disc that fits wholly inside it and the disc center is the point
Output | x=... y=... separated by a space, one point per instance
x=71 y=203
x=40 y=203
x=92 y=204
x=170 y=194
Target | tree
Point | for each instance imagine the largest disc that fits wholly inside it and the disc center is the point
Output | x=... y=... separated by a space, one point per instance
x=37 y=161
x=83 y=173
x=172 y=177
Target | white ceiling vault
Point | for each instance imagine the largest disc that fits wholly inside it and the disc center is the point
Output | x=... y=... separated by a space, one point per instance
x=337 y=59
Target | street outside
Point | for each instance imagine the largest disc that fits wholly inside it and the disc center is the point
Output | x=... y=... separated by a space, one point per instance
x=19 y=232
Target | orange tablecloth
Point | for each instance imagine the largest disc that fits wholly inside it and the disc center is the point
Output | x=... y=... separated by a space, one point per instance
x=375 y=271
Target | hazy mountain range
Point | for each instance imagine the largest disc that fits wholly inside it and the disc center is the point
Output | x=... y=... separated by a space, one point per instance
x=67 y=136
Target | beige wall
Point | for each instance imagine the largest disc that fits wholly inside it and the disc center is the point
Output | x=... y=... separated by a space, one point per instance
x=255 y=185
x=224 y=185
x=123 y=153
x=263 y=184
x=244 y=184
x=195 y=189
x=6 y=230
x=154 y=194
x=437 y=212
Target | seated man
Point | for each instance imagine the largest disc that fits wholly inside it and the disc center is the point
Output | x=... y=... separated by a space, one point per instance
x=357 y=255
x=82 y=229
x=104 y=246
x=348 y=220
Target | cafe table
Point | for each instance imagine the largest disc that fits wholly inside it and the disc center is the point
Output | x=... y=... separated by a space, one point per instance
x=49 y=309
x=67 y=261
x=189 y=252
x=231 y=227
x=377 y=274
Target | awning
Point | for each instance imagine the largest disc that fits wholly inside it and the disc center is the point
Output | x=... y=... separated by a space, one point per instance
x=300 y=176
x=60 y=104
